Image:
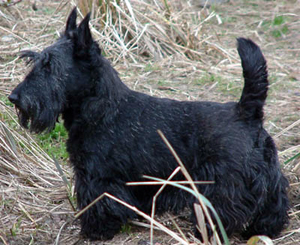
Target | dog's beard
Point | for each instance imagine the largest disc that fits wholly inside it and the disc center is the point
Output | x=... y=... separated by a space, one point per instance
x=23 y=117
x=37 y=120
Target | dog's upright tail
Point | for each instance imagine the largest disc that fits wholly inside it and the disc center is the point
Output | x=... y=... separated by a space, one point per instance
x=256 y=80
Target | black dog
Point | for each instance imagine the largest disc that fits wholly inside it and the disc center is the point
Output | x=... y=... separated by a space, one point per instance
x=113 y=138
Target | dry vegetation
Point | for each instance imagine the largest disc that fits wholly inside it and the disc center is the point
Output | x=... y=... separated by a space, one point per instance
x=180 y=50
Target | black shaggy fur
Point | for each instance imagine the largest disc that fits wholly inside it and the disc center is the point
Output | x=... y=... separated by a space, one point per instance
x=113 y=138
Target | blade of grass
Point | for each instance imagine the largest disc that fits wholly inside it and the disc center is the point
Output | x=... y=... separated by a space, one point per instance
x=133 y=208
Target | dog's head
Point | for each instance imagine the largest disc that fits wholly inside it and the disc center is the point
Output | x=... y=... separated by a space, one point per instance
x=60 y=73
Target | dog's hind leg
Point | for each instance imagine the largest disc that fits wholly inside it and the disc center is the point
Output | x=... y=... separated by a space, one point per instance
x=230 y=207
x=273 y=217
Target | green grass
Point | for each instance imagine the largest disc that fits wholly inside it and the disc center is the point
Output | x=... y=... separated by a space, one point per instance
x=15 y=230
x=47 y=10
x=54 y=142
x=280 y=32
x=224 y=86
x=276 y=27
x=152 y=67
x=231 y=19
x=207 y=79
x=163 y=83
x=4 y=116
x=6 y=203
x=126 y=228
x=5 y=100
x=278 y=20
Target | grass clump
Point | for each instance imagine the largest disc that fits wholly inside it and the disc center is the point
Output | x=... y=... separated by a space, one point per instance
x=277 y=27
x=148 y=29
x=54 y=142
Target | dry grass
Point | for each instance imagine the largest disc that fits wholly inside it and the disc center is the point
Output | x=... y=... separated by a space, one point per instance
x=162 y=48
x=32 y=192
x=151 y=29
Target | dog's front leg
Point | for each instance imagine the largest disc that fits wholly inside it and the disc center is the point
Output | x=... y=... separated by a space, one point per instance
x=103 y=219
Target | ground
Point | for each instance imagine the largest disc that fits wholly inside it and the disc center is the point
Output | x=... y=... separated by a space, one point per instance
x=185 y=52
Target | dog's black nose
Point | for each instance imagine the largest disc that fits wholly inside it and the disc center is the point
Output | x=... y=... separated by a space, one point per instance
x=13 y=98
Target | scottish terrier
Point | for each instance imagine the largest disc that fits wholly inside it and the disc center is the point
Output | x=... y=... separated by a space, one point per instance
x=113 y=139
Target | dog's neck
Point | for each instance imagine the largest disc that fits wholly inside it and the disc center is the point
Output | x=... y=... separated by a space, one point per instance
x=98 y=100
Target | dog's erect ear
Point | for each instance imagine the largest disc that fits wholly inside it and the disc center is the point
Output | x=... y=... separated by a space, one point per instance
x=84 y=32
x=71 y=22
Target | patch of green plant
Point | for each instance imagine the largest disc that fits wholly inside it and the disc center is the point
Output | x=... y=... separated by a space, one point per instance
x=8 y=58
x=126 y=229
x=278 y=33
x=162 y=83
x=207 y=79
x=54 y=142
x=285 y=30
x=4 y=116
x=223 y=84
x=5 y=100
x=199 y=81
x=231 y=19
x=48 y=11
x=277 y=27
x=214 y=78
x=253 y=4
x=151 y=67
x=6 y=203
x=15 y=229
x=278 y=20
x=215 y=8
